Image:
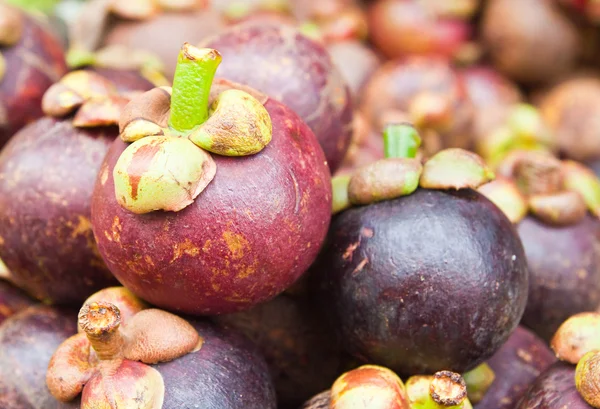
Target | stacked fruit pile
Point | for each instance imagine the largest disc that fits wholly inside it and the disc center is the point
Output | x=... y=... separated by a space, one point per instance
x=299 y=204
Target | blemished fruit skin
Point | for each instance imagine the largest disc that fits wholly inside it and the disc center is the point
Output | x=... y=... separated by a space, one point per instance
x=296 y=71
x=516 y=366
x=247 y=237
x=554 y=389
x=32 y=65
x=27 y=341
x=47 y=175
x=392 y=272
x=564 y=265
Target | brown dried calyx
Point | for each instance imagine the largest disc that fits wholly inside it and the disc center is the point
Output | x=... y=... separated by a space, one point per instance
x=108 y=360
x=11 y=25
x=555 y=191
x=577 y=336
x=93 y=99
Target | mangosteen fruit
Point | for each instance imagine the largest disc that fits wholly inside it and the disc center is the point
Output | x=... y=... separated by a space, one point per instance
x=155 y=359
x=218 y=232
x=294 y=70
x=560 y=231
x=554 y=389
x=356 y=62
x=12 y=300
x=158 y=27
x=571 y=109
x=418 y=239
x=27 y=341
x=492 y=96
x=429 y=93
x=515 y=367
x=31 y=60
x=48 y=171
x=530 y=41
x=299 y=346
x=407 y=27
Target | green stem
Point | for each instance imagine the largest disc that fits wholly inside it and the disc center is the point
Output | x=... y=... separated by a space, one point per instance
x=401 y=141
x=194 y=75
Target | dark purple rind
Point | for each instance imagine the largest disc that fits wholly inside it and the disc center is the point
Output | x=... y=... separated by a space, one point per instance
x=226 y=373
x=248 y=236
x=301 y=350
x=279 y=61
x=32 y=66
x=516 y=366
x=28 y=340
x=564 y=265
x=431 y=281
x=47 y=174
x=554 y=389
x=12 y=300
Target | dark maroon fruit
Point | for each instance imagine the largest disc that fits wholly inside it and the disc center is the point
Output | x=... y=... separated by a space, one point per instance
x=12 y=300
x=429 y=93
x=407 y=27
x=259 y=219
x=516 y=366
x=48 y=171
x=392 y=273
x=564 y=263
x=530 y=41
x=31 y=60
x=554 y=389
x=27 y=341
x=301 y=350
x=294 y=70
x=157 y=359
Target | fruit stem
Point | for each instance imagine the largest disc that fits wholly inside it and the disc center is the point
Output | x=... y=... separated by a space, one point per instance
x=448 y=388
x=100 y=321
x=401 y=141
x=196 y=68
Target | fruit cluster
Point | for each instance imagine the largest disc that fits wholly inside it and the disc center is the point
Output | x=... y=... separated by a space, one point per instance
x=299 y=204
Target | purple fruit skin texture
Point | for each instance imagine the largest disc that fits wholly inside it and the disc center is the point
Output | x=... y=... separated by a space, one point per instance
x=28 y=340
x=228 y=372
x=47 y=174
x=248 y=236
x=32 y=66
x=431 y=281
x=564 y=265
x=296 y=341
x=279 y=61
x=554 y=389
x=12 y=300
x=516 y=366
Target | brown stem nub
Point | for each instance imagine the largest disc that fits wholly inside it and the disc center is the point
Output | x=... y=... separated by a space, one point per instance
x=448 y=388
x=100 y=321
x=539 y=174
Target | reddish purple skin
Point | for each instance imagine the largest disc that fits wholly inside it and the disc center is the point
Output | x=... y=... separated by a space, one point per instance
x=564 y=265
x=431 y=281
x=301 y=350
x=554 y=389
x=516 y=366
x=248 y=236
x=32 y=65
x=226 y=373
x=28 y=340
x=12 y=300
x=279 y=61
x=47 y=174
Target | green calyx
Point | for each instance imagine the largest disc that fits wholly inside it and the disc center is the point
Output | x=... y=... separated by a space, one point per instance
x=42 y=6
x=401 y=141
x=478 y=382
x=455 y=169
x=580 y=179
x=167 y=166
x=339 y=190
x=444 y=390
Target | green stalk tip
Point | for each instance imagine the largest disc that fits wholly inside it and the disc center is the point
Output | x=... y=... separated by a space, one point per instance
x=401 y=141
x=196 y=68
